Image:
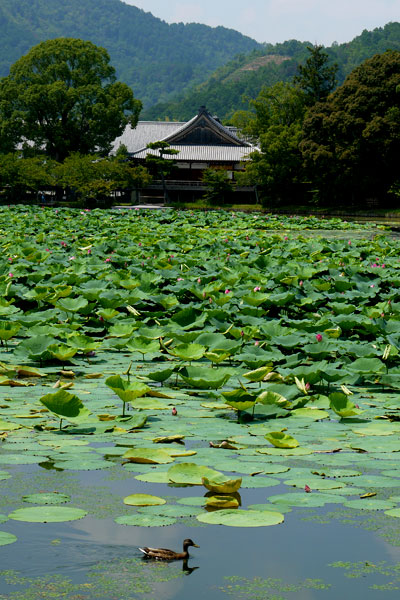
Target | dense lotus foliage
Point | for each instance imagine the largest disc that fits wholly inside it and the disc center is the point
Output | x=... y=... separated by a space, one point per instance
x=227 y=351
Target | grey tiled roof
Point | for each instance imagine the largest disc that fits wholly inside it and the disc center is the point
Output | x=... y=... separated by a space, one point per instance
x=205 y=153
x=229 y=147
x=144 y=133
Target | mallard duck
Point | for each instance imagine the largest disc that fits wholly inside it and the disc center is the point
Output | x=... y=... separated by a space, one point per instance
x=165 y=554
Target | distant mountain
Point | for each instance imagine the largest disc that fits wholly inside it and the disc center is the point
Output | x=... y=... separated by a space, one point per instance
x=229 y=87
x=156 y=59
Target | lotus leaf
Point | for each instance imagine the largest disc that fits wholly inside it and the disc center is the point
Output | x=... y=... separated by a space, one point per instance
x=191 y=473
x=222 y=484
x=7 y=538
x=143 y=500
x=66 y=405
x=241 y=518
x=148 y=455
x=222 y=502
x=205 y=378
x=46 y=498
x=342 y=405
x=279 y=439
x=47 y=514
x=145 y=520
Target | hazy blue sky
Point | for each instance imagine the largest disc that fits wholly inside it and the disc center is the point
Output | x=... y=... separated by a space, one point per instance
x=315 y=21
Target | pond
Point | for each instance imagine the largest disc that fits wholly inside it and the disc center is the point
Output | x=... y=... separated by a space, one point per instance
x=203 y=377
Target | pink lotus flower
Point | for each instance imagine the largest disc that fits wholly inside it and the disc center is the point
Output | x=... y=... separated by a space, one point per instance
x=256 y=343
x=10 y=275
x=108 y=260
x=174 y=411
x=199 y=280
x=227 y=291
x=180 y=279
x=301 y=283
x=318 y=337
x=307 y=489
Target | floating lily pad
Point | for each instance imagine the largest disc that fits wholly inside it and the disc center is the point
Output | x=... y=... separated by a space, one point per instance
x=46 y=498
x=369 y=504
x=4 y=475
x=143 y=500
x=190 y=473
x=148 y=455
x=154 y=477
x=241 y=518
x=7 y=538
x=393 y=512
x=172 y=510
x=47 y=514
x=145 y=520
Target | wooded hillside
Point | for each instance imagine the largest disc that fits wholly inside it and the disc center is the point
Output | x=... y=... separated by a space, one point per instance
x=154 y=58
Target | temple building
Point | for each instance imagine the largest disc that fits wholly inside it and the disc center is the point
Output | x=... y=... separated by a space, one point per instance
x=200 y=143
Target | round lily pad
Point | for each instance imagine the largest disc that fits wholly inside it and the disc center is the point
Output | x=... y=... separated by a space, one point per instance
x=21 y=459
x=315 y=483
x=4 y=475
x=143 y=520
x=192 y=501
x=83 y=464
x=171 y=510
x=3 y=518
x=393 y=512
x=369 y=504
x=47 y=514
x=47 y=498
x=148 y=455
x=154 y=477
x=190 y=473
x=258 y=481
x=297 y=499
x=143 y=500
x=7 y=538
x=241 y=518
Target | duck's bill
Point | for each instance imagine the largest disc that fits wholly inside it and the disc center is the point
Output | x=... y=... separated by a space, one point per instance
x=196 y=546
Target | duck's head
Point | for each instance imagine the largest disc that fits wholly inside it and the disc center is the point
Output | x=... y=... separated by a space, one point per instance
x=188 y=542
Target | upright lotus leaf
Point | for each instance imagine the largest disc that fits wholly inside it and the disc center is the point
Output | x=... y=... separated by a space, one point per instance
x=222 y=484
x=8 y=329
x=269 y=398
x=66 y=405
x=62 y=352
x=205 y=378
x=127 y=390
x=279 y=439
x=36 y=348
x=188 y=352
x=160 y=376
x=342 y=405
x=258 y=374
x=72 y=305
x=121 y=330
x=143 y=345
x=83 y=343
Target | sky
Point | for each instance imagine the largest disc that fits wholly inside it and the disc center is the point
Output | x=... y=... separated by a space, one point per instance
x=315 y=21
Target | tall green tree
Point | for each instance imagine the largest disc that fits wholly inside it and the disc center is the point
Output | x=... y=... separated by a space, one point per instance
x=275 y=121
x=351 y=142
x=317 y=78
x=62 y=97
x=160 y=166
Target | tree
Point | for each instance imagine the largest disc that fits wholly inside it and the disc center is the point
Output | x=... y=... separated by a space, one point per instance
x=62 y=97
x=19 y=176
x=316 y=77
x=93 y=178
x=219 y=187
x=158 y=164
x=351 y=142
x=276 y=120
